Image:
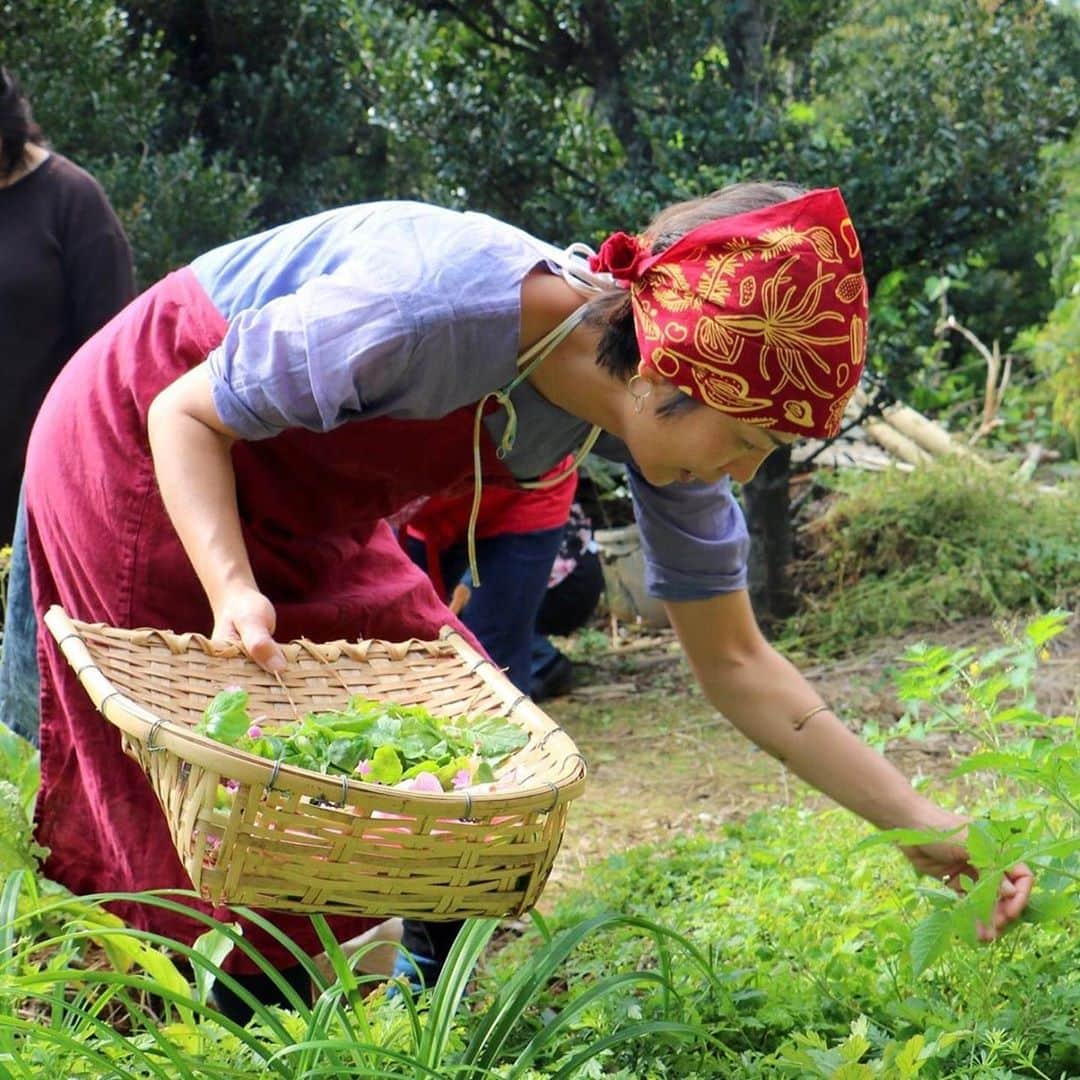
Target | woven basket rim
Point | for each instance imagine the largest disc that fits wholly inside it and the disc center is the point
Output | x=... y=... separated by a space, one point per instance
x=158 y=733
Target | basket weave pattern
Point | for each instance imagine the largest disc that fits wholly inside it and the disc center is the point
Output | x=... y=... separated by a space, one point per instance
x=294 y=840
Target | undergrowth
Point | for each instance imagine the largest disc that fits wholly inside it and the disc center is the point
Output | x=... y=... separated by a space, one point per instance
x=895 y=552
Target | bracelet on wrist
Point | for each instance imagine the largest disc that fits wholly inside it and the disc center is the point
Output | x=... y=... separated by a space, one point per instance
x=800 y=723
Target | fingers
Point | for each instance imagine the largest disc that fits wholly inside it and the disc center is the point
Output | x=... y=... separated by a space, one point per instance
x=259 y=644
x=1015 y=891
x=1013 y=894
x=246 y=616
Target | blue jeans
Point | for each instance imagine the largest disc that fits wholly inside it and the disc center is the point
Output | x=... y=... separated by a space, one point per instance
x=514 y=570
x=20 y=681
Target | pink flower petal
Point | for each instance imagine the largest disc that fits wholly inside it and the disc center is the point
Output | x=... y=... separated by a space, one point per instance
x=428 y=782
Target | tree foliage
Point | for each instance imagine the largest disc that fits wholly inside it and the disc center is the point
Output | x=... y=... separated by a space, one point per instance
x=206 y=119
x=98 y=88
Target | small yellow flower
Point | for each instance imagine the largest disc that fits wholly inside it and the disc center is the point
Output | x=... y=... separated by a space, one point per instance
x=1044 y=654
x=974 y=667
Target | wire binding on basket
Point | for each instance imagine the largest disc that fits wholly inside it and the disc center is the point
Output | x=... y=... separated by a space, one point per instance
x=274 y=772
x=555 y=730
x=580 y=756
x=151 y=736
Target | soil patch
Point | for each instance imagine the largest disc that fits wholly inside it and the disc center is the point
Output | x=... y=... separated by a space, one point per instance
x=636 y=700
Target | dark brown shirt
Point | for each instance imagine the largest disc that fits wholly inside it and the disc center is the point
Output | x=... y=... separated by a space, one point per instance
x=65 y=270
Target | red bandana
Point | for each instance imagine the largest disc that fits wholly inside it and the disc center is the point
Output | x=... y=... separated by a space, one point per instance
x=761 y=315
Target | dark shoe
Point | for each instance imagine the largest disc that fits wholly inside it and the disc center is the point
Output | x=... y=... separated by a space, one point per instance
x=553 y=680
x=263 y=989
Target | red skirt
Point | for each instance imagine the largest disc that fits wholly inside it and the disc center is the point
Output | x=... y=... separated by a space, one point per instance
x=102 y=546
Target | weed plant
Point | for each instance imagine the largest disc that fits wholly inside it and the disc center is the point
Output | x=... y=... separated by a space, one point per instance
x=897 y=552
x=788 y=945
x=835 y=962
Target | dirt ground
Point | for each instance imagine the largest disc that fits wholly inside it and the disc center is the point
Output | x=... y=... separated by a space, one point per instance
x=638 y=696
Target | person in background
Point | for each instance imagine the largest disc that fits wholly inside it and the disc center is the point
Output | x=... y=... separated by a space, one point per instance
x=538 y=563
x=573 y=591
x=65 y=270
x=538 y=579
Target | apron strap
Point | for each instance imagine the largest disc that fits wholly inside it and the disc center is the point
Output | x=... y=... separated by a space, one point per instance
x=574 y=267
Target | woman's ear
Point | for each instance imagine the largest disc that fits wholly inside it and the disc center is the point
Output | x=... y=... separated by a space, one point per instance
x=649 y=374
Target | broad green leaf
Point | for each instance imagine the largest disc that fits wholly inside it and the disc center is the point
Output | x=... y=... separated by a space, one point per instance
x=981 y=844
x=1044 y=907
x=214 y=946
x=386 y=766
x=910 y=1060
x=1040 y=630
x=226 y=717
x=930 y=938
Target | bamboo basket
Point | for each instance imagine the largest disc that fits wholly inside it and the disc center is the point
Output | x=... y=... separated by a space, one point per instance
x=298 y=841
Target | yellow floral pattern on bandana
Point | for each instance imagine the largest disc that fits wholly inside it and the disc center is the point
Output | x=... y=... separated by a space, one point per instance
x=774 y=303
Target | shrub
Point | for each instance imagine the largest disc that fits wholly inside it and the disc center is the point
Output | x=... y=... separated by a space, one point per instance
x=905 y=551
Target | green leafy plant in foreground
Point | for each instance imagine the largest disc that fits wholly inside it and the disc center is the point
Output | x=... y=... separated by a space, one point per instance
x=1028 y=765
x=64 y=1018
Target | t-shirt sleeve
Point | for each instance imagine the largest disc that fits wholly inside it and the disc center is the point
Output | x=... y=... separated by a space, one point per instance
x=315 y=358
x=693 y=537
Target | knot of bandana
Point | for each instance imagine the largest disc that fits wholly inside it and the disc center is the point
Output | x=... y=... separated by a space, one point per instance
x=761 y=315
x=621 y=256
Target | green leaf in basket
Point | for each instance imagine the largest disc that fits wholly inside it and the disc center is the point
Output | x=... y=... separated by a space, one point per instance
x=484 y=774
x=226 y=717
x=449 y=772
x=385 y=766
x=269 y=746
x=342 y=724
x=497 y=738
x=346 y=753
x=427 y=765
x=386 y=730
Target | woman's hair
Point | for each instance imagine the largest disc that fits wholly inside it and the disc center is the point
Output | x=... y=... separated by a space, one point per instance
x=17 y=126
x=611 y=311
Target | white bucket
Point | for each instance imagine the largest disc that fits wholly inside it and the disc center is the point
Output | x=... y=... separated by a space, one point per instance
x=624 y=577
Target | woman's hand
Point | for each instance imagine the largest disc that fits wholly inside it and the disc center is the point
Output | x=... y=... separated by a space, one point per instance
x=948 y=862
x=247 y=616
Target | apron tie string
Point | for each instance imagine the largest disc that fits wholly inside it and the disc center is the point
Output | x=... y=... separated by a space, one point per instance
x=573 y=263
x=528 y=362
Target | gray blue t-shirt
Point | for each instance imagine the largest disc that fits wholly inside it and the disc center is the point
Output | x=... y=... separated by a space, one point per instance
x=406 y=310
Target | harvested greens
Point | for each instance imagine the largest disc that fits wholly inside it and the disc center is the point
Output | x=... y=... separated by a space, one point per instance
x=373 y=741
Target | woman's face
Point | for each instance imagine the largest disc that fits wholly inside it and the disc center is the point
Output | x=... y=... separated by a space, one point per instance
x=696 y=443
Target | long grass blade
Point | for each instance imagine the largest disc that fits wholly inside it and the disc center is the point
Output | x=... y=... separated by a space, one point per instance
x=494 y=1028
x=416 y=1067
x=9 y=912
x=80 y=1050
x=450 y=988
x=549 y=1032
x=626 y=1034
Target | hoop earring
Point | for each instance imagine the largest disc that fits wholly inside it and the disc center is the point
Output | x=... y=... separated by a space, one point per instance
x=638 y=396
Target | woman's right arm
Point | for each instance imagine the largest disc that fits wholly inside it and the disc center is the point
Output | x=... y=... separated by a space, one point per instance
x=191 y=450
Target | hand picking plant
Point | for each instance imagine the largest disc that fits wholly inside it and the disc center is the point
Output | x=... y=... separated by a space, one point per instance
x=373 y=741
x=1028 y=765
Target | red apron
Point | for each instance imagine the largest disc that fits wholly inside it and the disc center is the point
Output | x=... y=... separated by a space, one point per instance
x=101 y=545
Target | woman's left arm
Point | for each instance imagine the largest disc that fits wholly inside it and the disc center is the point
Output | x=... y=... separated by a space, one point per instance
x=766 y=697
